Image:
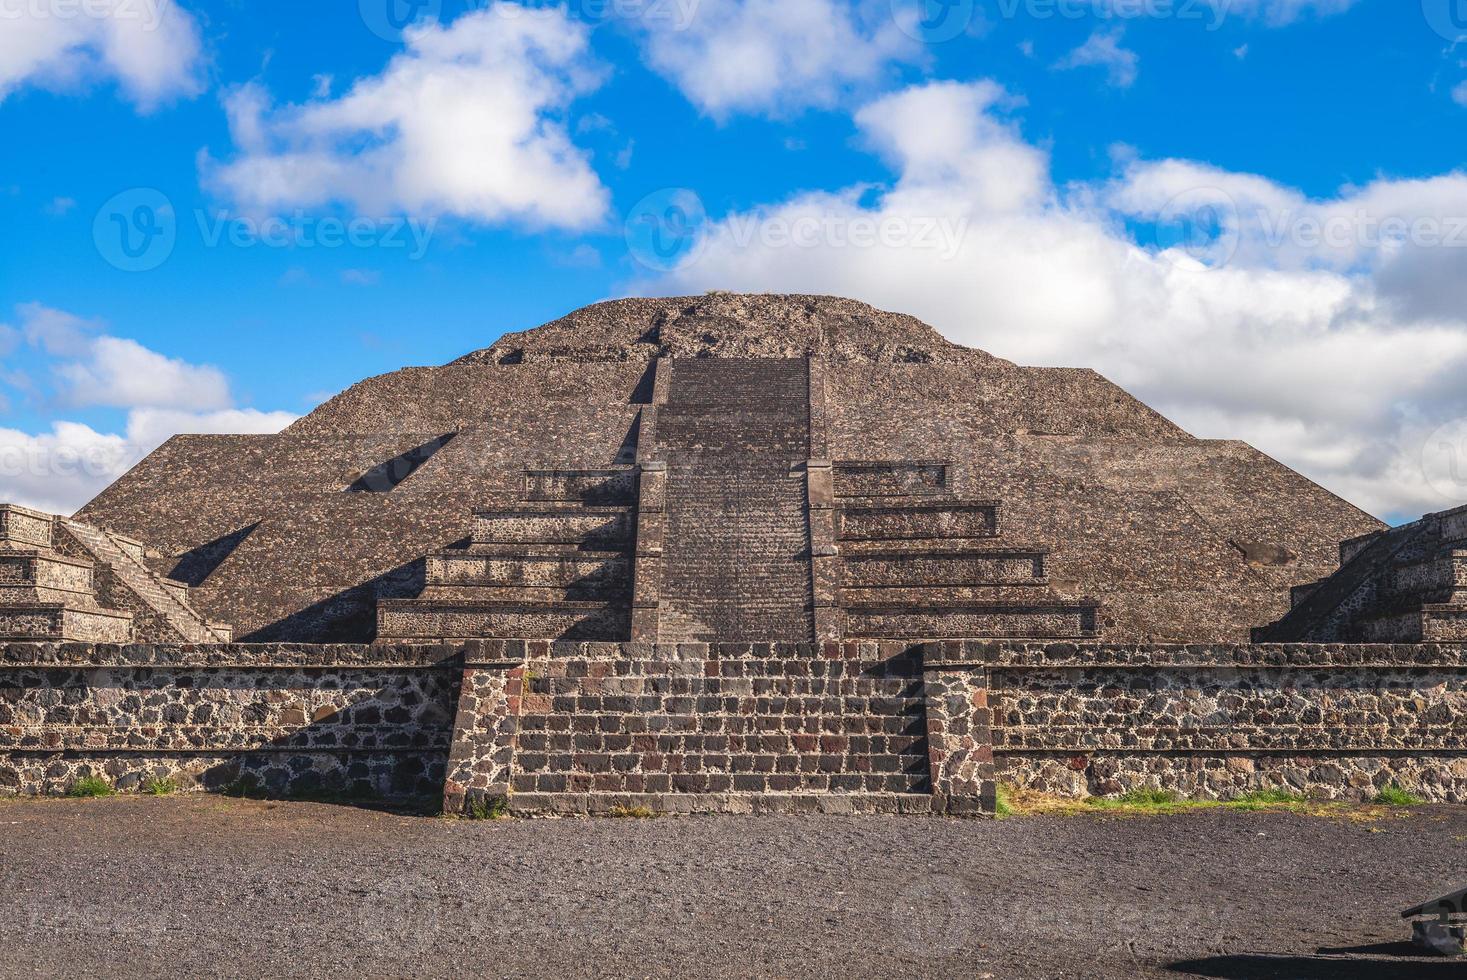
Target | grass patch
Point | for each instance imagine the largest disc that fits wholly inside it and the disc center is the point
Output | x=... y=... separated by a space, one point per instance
x=159 y=786
x=1162 y=802
x=1269 y=799
x=491 y=808
x=90 y=787
x=1394 y=795
x=631 y=812
x=1002 y=805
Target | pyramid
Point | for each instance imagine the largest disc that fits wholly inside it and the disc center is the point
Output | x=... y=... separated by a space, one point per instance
x=730 y=468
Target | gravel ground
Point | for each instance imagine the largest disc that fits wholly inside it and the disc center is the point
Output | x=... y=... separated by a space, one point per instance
x=207 y=886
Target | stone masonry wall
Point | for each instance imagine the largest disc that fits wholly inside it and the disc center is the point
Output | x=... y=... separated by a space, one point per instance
x=1339 y=722
x=838 y=727
x=276 y=719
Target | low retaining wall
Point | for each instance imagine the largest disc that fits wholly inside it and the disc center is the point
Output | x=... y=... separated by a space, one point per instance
x=1333 y=721
x=276 y=719
x=855 y=726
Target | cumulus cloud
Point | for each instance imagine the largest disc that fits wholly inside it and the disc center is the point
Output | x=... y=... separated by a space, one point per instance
x=91 y=368
x=61 y=469
x=151 y=48
x=1329 y=333
x=464 y=122
x=1103 y=50
x=775 y=56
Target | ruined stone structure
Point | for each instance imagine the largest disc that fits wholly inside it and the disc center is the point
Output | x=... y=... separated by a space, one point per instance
x=730 y=553
x=65 y=580
x=730 y=468
x=1402 y=585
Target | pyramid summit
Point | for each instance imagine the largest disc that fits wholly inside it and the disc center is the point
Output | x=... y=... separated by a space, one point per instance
x=734 y=468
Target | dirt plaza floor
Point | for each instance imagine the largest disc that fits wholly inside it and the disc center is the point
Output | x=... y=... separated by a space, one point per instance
x=190 y=886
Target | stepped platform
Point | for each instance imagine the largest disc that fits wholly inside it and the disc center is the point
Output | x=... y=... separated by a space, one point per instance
x=63 y=581
x=1404 y=585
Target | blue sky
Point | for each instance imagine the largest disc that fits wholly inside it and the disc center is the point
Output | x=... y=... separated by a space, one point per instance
x=1037 y=181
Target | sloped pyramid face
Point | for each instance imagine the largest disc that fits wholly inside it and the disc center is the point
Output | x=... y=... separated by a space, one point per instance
x=738 y=468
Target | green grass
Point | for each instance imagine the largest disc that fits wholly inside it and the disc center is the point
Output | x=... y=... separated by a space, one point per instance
x=633 y=812
x=1394 y=795
x=88 y=787
x=1002 y=805
x=159 y=786
x=1139 y=800
x=492 y=808
x=1268 y=799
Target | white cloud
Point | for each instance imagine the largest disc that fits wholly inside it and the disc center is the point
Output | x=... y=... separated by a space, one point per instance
x=464 y=122
x=94 y=369
x=1340 y=359
x=60 y=470
x=1459 y=94
x=775 y=56
x=1103 y=50
x=122 y=373
x=151 y=48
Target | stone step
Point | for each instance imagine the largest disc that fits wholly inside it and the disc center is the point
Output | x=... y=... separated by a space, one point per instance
x=37 y=569
x=504 y=568
x=1059 y=620
x=1430 y=623
x=527 y=594
x=23 y=527
x=895 y=478
x=64 y=623
x=124 y=557
x=1439 y=579
x=590 y=528
x=935 y=521
x=613 y=487
x=890 y=568
x=430 y=620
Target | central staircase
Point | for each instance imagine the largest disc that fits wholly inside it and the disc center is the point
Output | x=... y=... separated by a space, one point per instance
x=733 y=434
